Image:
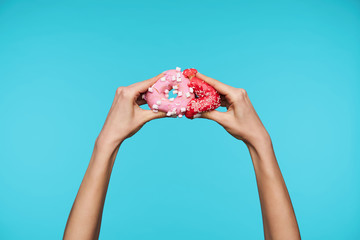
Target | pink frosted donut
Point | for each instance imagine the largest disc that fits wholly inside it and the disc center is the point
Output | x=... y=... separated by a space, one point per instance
x=157 y=95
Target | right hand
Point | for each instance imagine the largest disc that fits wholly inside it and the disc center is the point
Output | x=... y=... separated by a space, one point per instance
x=240 y=119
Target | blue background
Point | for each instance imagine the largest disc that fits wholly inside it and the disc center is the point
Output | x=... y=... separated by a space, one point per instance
x=61 y=62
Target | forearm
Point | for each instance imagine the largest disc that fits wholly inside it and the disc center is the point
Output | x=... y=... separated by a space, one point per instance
x=278 y=215
x=85 y=216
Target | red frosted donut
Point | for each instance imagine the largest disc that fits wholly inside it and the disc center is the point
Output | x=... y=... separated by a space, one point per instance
x=207 y=98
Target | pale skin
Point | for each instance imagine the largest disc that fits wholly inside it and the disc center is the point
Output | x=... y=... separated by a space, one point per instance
x=125 y=118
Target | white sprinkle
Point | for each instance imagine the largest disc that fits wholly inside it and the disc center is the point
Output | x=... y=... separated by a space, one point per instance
x=171 y=99
x=187 y=94
x=158 y=102
x=178 y=75
x=175 y=92
x=155 y=110
x=163 y=79
x=178 y=69
x=197 y=115
x=191 y=90
x=150 y=89
x=166 y=91
x=166 y=95
x=155 y=106
x=168 y=114
x=179 y=94
x=173 y=78
x=175 y=87
x=143 y=96
x=178 y=79
x=180 y=115
x=183 y=109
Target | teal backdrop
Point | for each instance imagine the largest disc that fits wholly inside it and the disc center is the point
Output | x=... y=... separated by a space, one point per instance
x=61 y=62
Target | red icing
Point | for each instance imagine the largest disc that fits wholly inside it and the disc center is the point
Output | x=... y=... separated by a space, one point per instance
x=207 y=97
x=190 y=72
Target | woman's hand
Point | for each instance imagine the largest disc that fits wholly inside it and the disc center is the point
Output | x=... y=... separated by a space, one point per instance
x=241 y=119
x=126 y=117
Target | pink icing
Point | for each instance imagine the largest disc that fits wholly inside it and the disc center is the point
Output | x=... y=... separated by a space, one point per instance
x=173 y=108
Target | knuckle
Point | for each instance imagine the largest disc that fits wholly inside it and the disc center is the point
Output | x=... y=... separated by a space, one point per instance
x=119 y=91
x=240 y=94
x=124 y=92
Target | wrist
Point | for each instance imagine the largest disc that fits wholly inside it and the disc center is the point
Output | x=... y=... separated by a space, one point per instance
x=263 y=155
x=104 y=143
x=104 y=153
x=102 y=160
x=259 y=140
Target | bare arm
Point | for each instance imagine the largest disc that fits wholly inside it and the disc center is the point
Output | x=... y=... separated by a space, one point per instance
x=125 y=118
x=242 y=121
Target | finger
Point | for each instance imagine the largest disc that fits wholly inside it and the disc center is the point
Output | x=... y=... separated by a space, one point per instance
x=141 y=87
x=219 y=117
x=150 y=115
x=219 y=86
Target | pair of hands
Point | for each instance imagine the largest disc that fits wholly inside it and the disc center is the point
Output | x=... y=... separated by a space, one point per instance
x=126 y=117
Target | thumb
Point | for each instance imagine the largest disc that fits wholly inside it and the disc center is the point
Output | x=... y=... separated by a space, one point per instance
x=219 y=117
x=150 y=115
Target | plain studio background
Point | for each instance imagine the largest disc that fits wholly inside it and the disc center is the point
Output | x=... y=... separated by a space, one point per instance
x=61 y=62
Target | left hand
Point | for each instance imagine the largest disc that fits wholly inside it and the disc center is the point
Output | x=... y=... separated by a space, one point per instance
x=126 y=117
x=240 y=119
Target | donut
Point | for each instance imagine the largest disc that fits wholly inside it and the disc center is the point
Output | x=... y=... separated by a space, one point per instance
x=207 y=98
x=157 y=95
